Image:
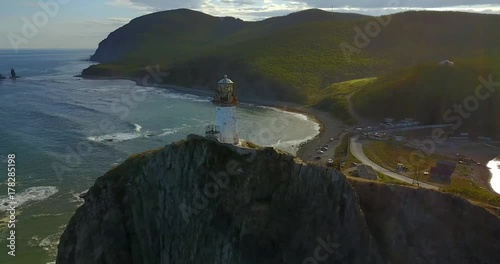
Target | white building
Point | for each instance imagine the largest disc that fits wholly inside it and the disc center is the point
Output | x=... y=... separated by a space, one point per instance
x=447 y=63
x=225 y=129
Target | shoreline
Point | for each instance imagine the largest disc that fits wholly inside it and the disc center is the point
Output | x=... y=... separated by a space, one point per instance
x=329 y=126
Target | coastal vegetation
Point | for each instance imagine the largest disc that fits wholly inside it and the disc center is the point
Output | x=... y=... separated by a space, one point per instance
x=387 y=155
x=334 y=98
x=386 y=179
x=470 y=190
x=430 y=93
x=302 y=57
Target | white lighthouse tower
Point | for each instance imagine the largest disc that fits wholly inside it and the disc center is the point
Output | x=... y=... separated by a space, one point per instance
x=225 y=129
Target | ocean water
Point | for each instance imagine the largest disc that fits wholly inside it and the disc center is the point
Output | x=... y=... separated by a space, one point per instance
x=66 y=131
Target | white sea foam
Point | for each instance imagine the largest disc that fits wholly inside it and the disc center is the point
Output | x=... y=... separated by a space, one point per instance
x=137 y=127
x=292 y=146
x=168 y=131
x=45 y=215
x=116 y=137
x=28 y=195
x=181 y=96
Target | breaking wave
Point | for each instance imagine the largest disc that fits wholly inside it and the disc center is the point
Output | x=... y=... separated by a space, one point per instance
x=167 y=131
x=28 y=195
x=116 y=137
x=181 y=96
x=137 y=127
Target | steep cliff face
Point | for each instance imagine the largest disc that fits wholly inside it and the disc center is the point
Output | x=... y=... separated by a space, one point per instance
x=199 y=201
x=424 y=226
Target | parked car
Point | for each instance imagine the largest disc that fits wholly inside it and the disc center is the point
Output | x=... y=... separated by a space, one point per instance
x=320 y=152
x=342 y=164
x=329 y=162
x=323 y=149
x=317 y=158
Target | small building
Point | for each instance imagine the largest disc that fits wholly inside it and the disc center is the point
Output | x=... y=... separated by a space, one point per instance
x=366 y=172
x=442 y=171
x=212 y=132
x=447 y=63
x=399 y=138
x=388 y=120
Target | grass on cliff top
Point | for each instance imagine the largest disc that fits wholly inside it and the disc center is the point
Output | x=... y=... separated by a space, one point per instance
x=387 y=153
x=386 y=179
x=469 y=190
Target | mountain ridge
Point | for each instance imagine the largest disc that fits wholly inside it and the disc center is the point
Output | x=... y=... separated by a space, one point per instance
x=296 y=57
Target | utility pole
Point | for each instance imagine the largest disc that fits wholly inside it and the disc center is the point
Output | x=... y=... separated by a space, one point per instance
x=416 y=177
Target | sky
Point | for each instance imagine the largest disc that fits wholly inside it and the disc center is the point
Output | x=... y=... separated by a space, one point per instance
x=82 y=24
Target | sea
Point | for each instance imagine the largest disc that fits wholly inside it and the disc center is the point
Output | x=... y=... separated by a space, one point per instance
x=66 y=131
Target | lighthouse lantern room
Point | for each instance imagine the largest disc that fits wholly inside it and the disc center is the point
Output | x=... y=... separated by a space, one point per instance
x=225 y=100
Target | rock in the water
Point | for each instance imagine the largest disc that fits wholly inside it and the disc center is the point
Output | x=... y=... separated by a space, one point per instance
x=199 y=201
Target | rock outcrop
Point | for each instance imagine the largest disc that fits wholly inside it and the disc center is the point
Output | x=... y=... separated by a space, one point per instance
x=199 y=201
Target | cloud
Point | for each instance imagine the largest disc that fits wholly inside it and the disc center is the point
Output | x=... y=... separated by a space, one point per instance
x=393 y=3
x=111 y=21
x=260 y=9
x=132 y=5
x=149 y=5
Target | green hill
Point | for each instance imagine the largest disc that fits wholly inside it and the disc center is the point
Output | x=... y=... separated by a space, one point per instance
x=430 y=92
x=295 y=57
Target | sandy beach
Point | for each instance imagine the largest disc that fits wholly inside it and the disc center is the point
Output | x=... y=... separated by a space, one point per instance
x=330 y=127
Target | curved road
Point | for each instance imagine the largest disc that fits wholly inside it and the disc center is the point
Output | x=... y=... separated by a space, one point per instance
x=357 y=151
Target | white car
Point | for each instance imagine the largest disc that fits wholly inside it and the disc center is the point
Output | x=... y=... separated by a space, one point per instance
x=320 y=152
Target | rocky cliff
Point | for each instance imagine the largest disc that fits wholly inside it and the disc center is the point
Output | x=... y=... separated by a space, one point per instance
x=199 y=201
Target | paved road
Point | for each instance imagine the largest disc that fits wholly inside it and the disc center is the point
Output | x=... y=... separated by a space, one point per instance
x=357 y=151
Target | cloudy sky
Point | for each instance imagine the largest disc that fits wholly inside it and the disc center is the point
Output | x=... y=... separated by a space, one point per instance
x=84 y=23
